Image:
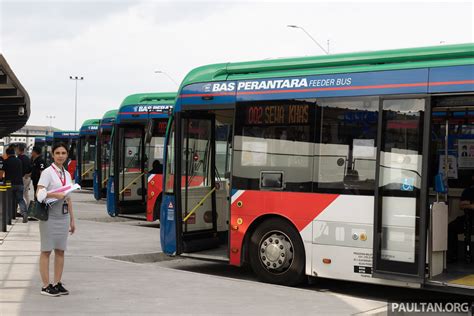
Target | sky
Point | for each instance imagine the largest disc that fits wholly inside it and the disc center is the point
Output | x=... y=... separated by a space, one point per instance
x=117 y=45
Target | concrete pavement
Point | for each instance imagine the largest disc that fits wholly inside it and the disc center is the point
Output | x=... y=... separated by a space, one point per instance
x=100 y=285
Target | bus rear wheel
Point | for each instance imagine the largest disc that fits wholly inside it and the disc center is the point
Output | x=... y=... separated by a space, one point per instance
x=276 y=253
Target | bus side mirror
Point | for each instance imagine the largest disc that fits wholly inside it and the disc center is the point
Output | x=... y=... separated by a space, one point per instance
x=440 y=186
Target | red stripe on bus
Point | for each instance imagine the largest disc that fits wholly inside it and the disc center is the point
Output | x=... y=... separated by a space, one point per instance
x=442 y=83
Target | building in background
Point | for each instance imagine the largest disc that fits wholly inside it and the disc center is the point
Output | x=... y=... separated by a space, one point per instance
x=27 y=135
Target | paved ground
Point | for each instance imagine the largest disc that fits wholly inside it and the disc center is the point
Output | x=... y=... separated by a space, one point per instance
x=156 y=284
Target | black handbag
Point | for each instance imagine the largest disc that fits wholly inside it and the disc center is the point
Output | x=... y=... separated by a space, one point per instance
x=38 y=210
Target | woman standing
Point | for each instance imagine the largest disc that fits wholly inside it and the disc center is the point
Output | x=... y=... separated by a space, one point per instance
x=54 y=231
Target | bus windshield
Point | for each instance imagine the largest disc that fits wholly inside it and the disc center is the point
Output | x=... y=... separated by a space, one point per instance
x=88 y=153
x=155 y=147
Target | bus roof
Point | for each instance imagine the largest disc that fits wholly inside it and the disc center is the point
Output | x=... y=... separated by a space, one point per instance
x=90 y=122
x=142 y=106
x=408 y=58
x=89 y=127
x=110 y=114
x=107 y=121
x=148 y=98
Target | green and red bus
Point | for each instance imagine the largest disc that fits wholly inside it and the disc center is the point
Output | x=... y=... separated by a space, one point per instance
x=131 y=189
x=324 y=166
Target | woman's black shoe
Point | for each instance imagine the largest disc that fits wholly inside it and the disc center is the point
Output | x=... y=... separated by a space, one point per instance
x=50 y=290
x=60 y=288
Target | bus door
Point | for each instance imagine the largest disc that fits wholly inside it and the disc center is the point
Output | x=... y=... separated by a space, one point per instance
x=451 y=171
x=401 y=191
x=101 y=164
x=87 y=160
x=155 y=137
x=130 y=187
x=196 y=189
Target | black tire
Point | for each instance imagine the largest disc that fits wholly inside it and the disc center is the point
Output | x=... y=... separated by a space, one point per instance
x=276 y=253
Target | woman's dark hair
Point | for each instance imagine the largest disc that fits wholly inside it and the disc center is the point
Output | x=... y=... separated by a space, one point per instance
x=57 y=145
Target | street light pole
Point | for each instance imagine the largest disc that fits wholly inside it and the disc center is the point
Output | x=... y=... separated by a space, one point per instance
x=75 y=78
x=166 y=74
x=50 y=117
x=301 y=28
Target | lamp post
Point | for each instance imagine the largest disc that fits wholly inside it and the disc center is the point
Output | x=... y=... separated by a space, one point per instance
x=50 y=117
x=301 y=28
x=166 y=74
x=75 y=78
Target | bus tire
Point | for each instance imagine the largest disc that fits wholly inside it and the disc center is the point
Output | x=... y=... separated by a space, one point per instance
x=276 y=253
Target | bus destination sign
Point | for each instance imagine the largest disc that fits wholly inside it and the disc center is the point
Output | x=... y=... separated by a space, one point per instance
x=292 y=114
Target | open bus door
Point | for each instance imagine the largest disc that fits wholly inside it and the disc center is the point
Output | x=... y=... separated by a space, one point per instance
x=129 y=170
x=400 y=219
x=195 y=183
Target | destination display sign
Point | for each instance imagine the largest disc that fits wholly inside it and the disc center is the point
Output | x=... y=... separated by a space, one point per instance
x=291 y=114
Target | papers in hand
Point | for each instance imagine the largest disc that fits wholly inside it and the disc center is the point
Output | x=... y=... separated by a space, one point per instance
x=67 y=189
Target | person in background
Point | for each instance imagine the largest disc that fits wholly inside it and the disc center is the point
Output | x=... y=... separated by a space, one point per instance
x=2 y=173
x=456 y=227
x=14 y=174
x=37 y=166
x=157 y=167
x=26 y=165
x=4 y=157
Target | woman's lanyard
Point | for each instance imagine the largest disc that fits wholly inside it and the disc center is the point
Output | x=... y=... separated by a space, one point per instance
x=61 y=175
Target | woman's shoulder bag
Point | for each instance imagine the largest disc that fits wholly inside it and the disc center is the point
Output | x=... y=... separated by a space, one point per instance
x=38 y=210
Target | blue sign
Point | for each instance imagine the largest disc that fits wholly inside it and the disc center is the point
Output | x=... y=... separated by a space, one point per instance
x=408 y=184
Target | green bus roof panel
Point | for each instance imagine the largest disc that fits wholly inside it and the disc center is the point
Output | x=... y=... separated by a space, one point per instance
x=408 y=58
x=110 y=114
x=91 y=122
x=149 y=98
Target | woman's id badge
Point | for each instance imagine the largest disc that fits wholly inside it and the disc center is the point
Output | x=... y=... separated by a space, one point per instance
x=65 y=208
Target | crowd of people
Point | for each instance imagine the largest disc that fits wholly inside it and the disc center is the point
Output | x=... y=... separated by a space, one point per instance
x=21 y=171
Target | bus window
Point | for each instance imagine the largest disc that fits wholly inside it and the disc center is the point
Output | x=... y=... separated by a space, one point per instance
x=88 y=157
x=105 y=155
x=72 y=150
x=273 y=136
x=196 y=159
x=155 y=146
x=346 y=145
x=131 y=149
x=223 y=150
x=110 y=171
x=400 y=178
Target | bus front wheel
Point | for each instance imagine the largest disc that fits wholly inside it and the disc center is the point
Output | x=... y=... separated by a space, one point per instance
x=276 y=253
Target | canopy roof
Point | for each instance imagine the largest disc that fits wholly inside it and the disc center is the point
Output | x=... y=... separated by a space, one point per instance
x=14 y=101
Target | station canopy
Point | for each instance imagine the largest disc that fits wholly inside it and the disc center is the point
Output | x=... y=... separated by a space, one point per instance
x=14 y=101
